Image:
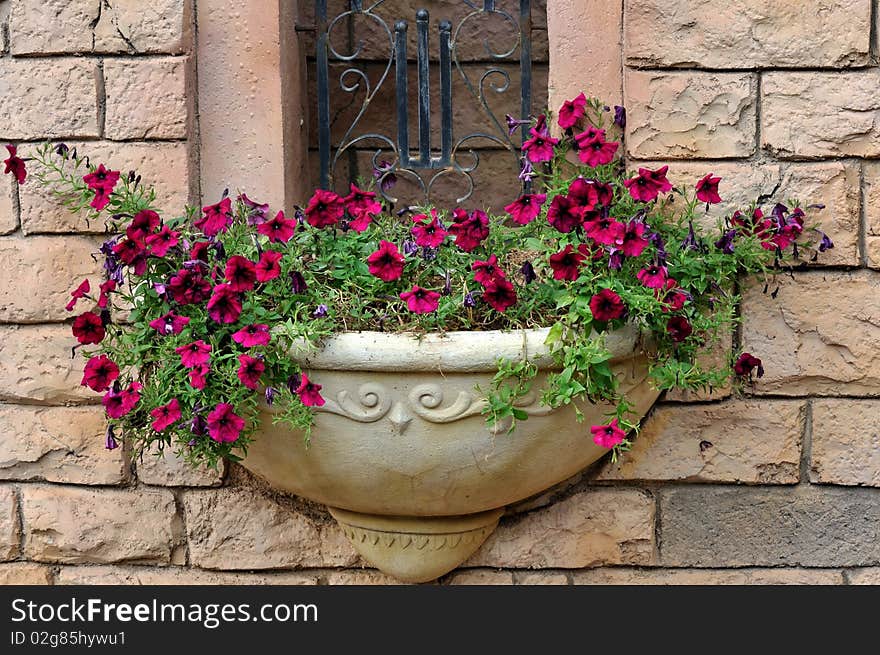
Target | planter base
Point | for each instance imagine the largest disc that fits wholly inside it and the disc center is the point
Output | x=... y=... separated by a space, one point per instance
x=416 y=549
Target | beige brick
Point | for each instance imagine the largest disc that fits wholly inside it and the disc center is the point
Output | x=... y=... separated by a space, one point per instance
x=540 y=578
x=846 y=442
x=240 y=529
x=865 y=576
x=174 y=575
x=24 y=573
x=710 y=526
x=36 y=365
x=162 y=166
x=39 y=274
x=871 y=172
x=169 y=469
x=747 y=33
x=145 y=98
x=135 y=26
x=736 y=441
x=590 y=528
x=358 y=577
x=10 y=536
x=818 y=336
x=52 y=26
x=479 y=577
x=57 y=444
x=690 y=115
x=780 y=576
x=8 y=217
x=821 y=114
x=714 y=357
x=48 y=98
x=4 y=23
x=73 y=525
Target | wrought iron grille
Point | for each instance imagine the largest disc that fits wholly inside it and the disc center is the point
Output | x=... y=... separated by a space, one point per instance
x=394 y=154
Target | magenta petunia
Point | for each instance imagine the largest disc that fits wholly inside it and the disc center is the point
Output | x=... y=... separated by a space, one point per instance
x=593 y=149
x=634 y=241
x=224 y=425
x=605 y=230
x=80 y=292
x=361 y=220
x=583 y=194
x=144 y=223
x=88 y=328
x=249 y=371
x=608 y=436
x=500 y=294
x=189 y=286
x=746 y=363
x=15 y=165
x=132 y=252
x=707 y=189
x=101 y=199
x=268 y=268
x=564 y=215
x=119 y=403
x=648 y=184
x=99 y=373
x=169 y=323
x=194 y=354
x=428 y=234
x=678 y=328
x=359 y=201
x=166 y=415
x=487 y=272
x=671 y=296
x=469 y=229
x=421 y=301
x=572 y=111
x=224 y=305
x=279 y=230
x=161 y=242
x=241 y=273
x=607 y=305
x=386 y=263
x=309 y=392
x=653 y=276
x=566 y=264
x=106 y=288
x=539 y=148
x=526 y=208
x=252 y=335
x=216 y=219
x=325 y=208
x=198 y=376
x=101 y=178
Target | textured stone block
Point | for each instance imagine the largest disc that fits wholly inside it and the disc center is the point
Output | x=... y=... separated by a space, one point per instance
x=846 y=442
x=36 y=365
x=778 y=576
x=8 y=215
x=24 y=573
x=599 y=526
x=818 y=336
x=821 y=114
x=10 y=536
x=169 y=469
x=57 y=444
x=480 y=577
x=52 y=26
x=871 y=173
x=99 y=526
x=747 y=33
x=737 y=441
x=799 y=526
x=39 y=274
x=136 y=26
x=146 y=98
x=690 y=115
x=162 y=166
x=48 y=98
x=174 y=575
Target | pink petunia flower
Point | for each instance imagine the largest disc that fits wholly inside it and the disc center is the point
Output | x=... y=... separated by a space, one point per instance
x=309 y=392
x=166 y=415
x=252 y=335
x=608 y=436
x=421 y=301
x=224 y=425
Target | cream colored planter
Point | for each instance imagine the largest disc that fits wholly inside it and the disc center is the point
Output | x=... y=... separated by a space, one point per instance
x=402 y=455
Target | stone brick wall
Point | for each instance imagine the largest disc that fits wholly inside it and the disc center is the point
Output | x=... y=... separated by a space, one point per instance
x=780 y=486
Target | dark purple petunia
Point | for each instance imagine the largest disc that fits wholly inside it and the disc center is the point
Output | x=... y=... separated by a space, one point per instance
x=528 y=272
x=746 y=363
x=298 y=282
x=257 y=213
x=620 y=116
x=725 y=243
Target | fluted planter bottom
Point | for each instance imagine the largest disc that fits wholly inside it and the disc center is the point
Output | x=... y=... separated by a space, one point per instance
x=401 y=452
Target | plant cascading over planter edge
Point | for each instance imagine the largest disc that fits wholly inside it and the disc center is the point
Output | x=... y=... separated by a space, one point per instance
x=193 y=326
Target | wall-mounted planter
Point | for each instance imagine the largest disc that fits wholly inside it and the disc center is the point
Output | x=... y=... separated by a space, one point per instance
x=402 y=455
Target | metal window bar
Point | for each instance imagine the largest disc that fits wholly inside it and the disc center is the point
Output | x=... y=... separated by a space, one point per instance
x=353 y=79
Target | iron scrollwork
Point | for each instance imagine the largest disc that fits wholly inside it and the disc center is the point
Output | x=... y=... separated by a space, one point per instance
x=395 y=156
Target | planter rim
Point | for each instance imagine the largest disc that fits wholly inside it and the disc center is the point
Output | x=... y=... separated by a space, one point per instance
x=453 y=352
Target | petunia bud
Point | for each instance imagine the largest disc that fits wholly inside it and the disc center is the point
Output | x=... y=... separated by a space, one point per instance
x=110 y=442
x=197 y=425
x=293 y=382
x=469 y=300
x=528 y=272
x=270 y=395
x=62 y=150
x=298 y=282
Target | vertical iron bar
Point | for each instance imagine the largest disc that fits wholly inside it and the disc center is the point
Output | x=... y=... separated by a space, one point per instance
x=424 y=89
x=400 y=64
x=323 y=93
x=445 y=94
x=525 y=62
x=357 y=5
x=488 y=6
